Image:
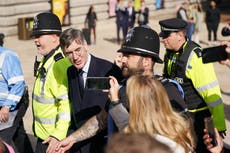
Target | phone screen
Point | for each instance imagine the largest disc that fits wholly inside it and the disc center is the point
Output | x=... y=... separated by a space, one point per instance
x=208 y=122
x=214 y=54
x=97 y=83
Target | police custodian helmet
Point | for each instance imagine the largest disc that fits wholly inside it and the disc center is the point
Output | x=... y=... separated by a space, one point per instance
x=142 y=41
x=46 y=23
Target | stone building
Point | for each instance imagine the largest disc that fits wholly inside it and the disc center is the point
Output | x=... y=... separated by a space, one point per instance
x=12 y=10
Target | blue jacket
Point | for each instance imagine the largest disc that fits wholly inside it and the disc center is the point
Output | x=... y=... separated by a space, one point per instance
x=11 y=78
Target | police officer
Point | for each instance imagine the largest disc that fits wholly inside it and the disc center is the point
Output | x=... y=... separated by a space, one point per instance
x=14 y=100
x=183 y=63
x=51 y=107
x=140 y=53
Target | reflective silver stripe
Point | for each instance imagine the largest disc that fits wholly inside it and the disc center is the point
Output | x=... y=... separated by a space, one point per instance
x=61 y=116
x=14 y=97
x=3 y=95
x=2 y=57
x=140 y=49
x=63 y=97
x=215 y=103
x=45 y=120
x=49 y=100
x=207 y=86
x=64 y=116
x=44 y=79
x=43 y=100
x=168 y=29
x=16 y=79
x=189 y=59
x=48 y=30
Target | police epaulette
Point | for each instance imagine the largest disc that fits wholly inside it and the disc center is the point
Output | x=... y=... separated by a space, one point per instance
x=162 y=79
x=58 y=57
x=198 y=51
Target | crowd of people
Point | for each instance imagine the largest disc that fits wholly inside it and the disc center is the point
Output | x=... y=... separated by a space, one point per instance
x=127 y=16
x=192 y=13
x=164 y=112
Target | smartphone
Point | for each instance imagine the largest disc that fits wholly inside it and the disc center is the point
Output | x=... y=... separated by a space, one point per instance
x=214 y=54
x=208 y=123
x=97 y=83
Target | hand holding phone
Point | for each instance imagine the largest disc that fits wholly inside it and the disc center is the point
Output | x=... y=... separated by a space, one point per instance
x=208 y=122
x=214 y=54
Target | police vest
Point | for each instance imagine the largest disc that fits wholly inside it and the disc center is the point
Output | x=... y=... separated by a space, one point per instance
x=192 y=98
x=48 y=96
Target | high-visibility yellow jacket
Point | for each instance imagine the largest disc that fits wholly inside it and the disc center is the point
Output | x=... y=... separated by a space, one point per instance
x=51 y=106
x=198 y=80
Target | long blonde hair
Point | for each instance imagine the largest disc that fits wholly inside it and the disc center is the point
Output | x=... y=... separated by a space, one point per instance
x=151 y=112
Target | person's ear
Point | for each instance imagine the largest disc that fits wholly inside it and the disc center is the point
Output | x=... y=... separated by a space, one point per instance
x=54 y=37
x=147 y=61
x=180 y=35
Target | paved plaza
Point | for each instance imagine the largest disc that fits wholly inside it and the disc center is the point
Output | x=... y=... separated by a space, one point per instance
x=106 y=47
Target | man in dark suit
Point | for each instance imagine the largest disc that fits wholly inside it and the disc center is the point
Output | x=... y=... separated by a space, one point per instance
x=121 y=20
x=131 y=14
x=85 y=103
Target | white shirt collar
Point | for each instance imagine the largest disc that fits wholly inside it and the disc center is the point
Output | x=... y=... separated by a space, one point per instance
x=86 y=67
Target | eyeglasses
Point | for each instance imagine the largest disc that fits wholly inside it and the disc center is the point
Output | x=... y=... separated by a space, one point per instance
x=77 y=51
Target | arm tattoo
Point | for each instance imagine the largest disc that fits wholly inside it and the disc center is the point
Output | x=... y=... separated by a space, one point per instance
x=88 y=130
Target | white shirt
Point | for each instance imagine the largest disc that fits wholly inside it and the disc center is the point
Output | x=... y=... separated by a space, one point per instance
x=85 y=69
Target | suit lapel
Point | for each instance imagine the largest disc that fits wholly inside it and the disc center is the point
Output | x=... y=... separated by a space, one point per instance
x=92 y=67
x=74 y=91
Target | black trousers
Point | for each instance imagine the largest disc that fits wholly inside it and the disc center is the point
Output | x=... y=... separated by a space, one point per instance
x=124 y=28
x=41 y=148
x=212 y=27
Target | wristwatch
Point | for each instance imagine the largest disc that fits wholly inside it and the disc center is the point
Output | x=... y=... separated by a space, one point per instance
x=115 y=102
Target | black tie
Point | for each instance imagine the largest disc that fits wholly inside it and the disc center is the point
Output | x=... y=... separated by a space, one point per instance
x=81 y=82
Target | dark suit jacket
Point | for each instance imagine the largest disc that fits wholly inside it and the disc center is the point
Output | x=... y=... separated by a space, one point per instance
x=91 y=103
x=131 y=18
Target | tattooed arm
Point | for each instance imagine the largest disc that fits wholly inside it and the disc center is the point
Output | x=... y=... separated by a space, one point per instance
x=87 y=130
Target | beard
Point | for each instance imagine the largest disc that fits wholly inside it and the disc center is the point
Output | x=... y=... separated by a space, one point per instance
x=128 y=71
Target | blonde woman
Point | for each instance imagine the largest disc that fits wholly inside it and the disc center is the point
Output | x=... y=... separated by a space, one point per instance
x=151 y=113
